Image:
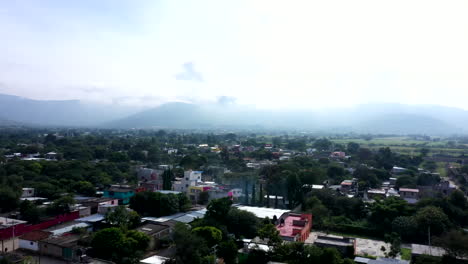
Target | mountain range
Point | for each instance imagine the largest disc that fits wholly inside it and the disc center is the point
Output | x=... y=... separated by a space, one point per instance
x=368 y=118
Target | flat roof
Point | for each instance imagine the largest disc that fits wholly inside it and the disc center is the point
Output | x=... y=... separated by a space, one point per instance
x=66 y=228
x=65 y=241
x=92 y=218
x=154 y=260
x=7 y=222
x=408 y=190
x=151 y=229
x=262 y=212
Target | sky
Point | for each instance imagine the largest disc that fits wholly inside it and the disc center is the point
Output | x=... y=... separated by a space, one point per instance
x=267 y=53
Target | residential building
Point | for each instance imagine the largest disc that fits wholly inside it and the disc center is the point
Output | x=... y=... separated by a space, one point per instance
x=27 y=192
x=147 y=174
x=154 y=260
x=30 y=241
x=410 y=195
x=338 y=155
x=263 y=212
x=94 y=203
x=376 y=194
x=9 y=244
x=155 y=232
x=51 y=156
x=65 y=247
x=123 y=193
x=295 y=227
x=9 y=230
x=398 y=170
x=191 y=178
x=347 y=186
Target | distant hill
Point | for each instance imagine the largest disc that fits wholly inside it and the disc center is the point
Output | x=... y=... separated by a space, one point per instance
x=369 y=118
x=8 y=123
x=362 y=119
x=57 y=113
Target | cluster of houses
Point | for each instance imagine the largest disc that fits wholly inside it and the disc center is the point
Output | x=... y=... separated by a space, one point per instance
x=191 y=184
x=387 y=189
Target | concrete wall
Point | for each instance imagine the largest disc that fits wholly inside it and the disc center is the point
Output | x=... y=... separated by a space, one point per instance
x=8 y=245
x=30 y=245
x=50 y=250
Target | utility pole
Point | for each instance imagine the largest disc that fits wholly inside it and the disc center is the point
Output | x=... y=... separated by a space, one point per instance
x=429 y=238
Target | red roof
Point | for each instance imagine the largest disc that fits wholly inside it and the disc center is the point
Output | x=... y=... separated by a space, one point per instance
x=35 y=235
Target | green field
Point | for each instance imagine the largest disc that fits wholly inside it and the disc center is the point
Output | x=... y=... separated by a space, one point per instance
x=404 y=145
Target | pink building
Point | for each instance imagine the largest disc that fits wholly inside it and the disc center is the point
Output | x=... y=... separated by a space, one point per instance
x=295 y=227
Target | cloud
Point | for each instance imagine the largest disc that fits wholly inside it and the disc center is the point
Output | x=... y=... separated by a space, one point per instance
x=308 y=54
x=226 y=100
x=189 y=73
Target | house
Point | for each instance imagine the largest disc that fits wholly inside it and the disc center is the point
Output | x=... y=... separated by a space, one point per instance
x=338 y=155
x=27 y=192
x=155 y=232
x=376 y=193
x=263 y=212
x=346 y=186
x=95 y=203
x=123 y=193
x=398 y=170
x=146 y=174
x=191 y=178
x=67 y=228
x=65 y=247
x=51 y=156
x=30 y=241
x=410 y=195
x=445 y=188
x=345 y=245
x=8 y=234
x=103 y=209
x=193 y=192
x=154 y=260
x=295 y=227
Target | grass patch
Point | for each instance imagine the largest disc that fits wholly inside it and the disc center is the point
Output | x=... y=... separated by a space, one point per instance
x=406 y=254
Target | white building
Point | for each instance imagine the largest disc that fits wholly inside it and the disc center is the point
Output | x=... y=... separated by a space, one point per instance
x=30 y=241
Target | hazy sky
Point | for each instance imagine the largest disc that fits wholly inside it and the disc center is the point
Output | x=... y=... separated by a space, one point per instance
x=268 y=53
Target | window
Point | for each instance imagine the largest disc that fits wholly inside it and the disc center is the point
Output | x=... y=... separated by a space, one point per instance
x=6 y=249
x=31 y=243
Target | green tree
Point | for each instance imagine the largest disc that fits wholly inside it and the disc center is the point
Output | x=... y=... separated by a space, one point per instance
x=294 y=189
x=353 y=147
x=167 y=177
x=62 y=205
x=455 y=243
x=242 y=223
x=270 y=234
x=119 y=246
x=211 y=235
x=123 y=218
x=227 y=250
x=9 y=199
x=187 y=244
x=30 y=212
x=432 y=219
x=405 y=226
x=218 y=209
